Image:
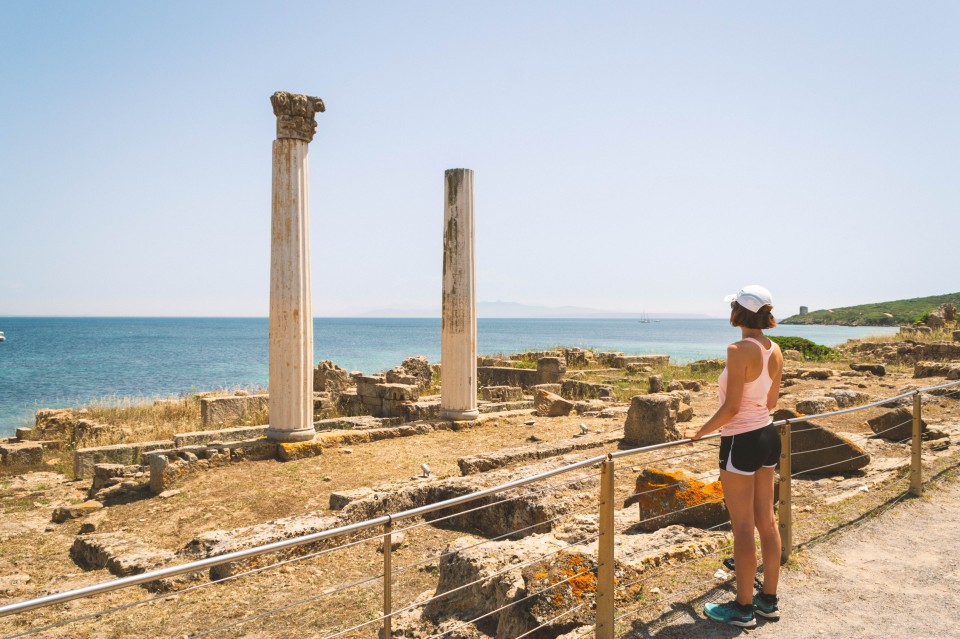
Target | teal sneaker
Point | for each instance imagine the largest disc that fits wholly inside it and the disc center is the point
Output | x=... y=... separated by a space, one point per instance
x=766 y=606
x=730 y=613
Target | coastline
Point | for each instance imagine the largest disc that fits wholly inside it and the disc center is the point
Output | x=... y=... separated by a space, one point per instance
x=60 y=362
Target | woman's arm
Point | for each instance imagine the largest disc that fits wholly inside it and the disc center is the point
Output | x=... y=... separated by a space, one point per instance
x=736 y=376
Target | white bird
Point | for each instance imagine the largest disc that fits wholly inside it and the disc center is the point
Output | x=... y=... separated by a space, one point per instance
x=425 y=469
x=583 y=429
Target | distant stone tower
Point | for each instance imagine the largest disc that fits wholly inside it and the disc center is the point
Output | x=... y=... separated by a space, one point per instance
x=804 y=310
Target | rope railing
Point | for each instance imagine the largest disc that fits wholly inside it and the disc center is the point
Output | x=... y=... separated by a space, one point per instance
x=604 y=628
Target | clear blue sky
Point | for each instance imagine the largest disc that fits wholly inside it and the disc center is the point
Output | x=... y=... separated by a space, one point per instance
x=629 y=155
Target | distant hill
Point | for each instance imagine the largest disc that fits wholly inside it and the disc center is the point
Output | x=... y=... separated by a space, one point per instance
x=879 y=314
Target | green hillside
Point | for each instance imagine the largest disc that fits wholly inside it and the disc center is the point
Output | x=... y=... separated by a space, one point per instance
x=880 y=314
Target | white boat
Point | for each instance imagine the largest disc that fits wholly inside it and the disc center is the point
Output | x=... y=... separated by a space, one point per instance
x=2 y=338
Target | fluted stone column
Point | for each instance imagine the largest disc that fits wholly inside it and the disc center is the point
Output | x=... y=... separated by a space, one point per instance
x=458 y=337
x=291 y=309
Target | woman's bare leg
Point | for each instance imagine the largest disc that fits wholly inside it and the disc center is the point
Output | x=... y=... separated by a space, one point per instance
x=767 y=527
x=738 y=491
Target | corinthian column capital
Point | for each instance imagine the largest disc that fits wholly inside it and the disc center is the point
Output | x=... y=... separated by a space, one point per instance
x=296 y=115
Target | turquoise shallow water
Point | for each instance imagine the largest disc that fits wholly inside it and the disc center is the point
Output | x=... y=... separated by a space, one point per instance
x=54 y=361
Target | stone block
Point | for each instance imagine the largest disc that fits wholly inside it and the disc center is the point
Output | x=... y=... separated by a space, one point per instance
x=895 y=425
x=950 y=370
x=848 y=398
x=232 y=410
x=573 y=389
x=816 y=405
x=819 y=450
x=119 y=552
x=21 y=453
x=815 y=373
x=792 y=355
x=502 y=393
x=289 y=451
x=422 y=410
x=398 y=392
x=652 y=419
x=877 y=369
x=64 y=513
x=622 y=361
x=551 y=369
x=551 y=405
x=694 y=385
x=655 y=384
x=400 y=376
x=556 y=389
x=667 y=497
x=23 y=433
x=503 y=376
x=685 y=413
x=239 y=433
x=329 y=377
x=84 y=459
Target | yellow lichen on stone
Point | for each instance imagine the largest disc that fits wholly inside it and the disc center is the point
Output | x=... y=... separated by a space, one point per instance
x=288 y=451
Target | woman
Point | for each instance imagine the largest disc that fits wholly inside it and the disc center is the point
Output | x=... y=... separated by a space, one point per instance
x=749 y=450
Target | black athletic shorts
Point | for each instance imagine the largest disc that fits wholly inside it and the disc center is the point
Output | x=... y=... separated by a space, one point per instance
x=745 y=453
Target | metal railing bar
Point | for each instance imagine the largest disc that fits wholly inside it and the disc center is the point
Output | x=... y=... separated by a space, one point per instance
x=247 y=553
x=646 y=449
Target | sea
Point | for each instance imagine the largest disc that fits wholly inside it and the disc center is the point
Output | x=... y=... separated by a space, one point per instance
x=52 y=362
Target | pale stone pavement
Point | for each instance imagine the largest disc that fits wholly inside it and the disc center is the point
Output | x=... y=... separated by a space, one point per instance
x=894 y=576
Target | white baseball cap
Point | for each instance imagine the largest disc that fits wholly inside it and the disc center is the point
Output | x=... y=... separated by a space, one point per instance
x=752 y=298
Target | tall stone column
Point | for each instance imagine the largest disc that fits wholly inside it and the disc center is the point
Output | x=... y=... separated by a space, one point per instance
x=458 y=337
x=291 y=309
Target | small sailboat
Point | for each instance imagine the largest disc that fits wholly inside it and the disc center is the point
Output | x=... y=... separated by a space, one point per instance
x=643 y=318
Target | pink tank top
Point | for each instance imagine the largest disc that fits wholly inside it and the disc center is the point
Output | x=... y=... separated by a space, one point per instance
x=753 y=405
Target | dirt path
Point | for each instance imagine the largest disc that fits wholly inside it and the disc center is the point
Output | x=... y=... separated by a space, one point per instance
x=893 y=576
